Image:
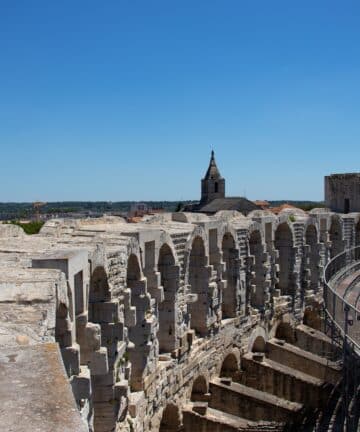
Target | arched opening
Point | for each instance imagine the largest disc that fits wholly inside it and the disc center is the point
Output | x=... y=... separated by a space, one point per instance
x=230 y=367
x=216 y=187
x=133 y=271
x=285 y=332
x=140 y=334
x=170 y=421
x=199 y=389
x=63 y=326
x=99 y=289
x=285 y=246
x=357 y=234
x=335 y=236
x=199 y=281
x=101 y=368
x=259 y=345
x=312 y=318
x=313 y=256
x=167 y=308
x=257 y=271
x=230 y=295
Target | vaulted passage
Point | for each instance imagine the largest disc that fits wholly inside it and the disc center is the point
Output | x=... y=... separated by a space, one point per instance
x=312 y=256
x=170 y=421
x=259 y=345
x=96 y=351
x=199 y=281
x=230 y=367
x=167 y=308
x=199 y=389
x=335 y=236
x=284 y=244
x=230 y=298
x=133 y=271
x=140 y=333
x=257 y=271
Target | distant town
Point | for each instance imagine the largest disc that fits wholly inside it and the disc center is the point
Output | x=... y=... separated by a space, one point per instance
x=127 y=209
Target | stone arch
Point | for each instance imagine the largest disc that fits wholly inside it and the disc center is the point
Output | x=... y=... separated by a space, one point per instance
x=133 y=273
x=171 y=419
x=197 y=233
x=259 y=345
x=286 y=332
x=230 y=295
x=199 y=389
x=336 y=237
x=63 y=326
x=199 y=281
x=99 y=286
x=284 y=244
x=257 y=341
x=169 y=274
x=100 y=369
x=312 y=256
x=141 y=350
x=230 y=367
x=257 y=271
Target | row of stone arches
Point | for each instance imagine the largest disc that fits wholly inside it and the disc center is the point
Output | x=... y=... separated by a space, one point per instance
x=230 y=367
x=199 y=279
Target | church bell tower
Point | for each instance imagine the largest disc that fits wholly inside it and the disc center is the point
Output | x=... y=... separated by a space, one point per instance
x=212 y=185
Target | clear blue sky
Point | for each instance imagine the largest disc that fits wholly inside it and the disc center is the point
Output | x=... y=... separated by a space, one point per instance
x=123 y=100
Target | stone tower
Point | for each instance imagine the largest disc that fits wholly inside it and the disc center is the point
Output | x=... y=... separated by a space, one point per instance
x=342 y=192
x=212 y=185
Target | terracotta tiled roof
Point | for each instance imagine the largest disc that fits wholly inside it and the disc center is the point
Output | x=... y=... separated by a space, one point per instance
x=279 y=209
x=261 y=203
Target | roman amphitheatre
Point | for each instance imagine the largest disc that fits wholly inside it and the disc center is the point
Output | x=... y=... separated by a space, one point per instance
x=211 y=319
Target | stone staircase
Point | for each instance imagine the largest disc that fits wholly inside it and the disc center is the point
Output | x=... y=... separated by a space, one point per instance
x=179 y=240
x=349 y=231
x=289 y=387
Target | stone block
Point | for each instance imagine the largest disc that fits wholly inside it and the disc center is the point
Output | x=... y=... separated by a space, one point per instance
x=200 y=407
x=103 y=393
x=71 y=359
x=81 y=384
x=130 y=317
x=98 y=362
x=106 y=312
x=103 y=380
x=121 y=389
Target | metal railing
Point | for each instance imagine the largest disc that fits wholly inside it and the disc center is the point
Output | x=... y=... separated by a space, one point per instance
x=342 y=307
x=344 y=314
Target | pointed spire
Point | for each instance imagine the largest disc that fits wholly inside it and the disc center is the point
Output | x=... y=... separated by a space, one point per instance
x=212 y=172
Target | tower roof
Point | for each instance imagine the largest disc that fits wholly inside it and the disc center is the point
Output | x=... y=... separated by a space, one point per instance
x=213 y=171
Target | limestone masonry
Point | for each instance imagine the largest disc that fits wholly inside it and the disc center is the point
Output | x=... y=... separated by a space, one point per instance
x=183 y=322
x=342 y=192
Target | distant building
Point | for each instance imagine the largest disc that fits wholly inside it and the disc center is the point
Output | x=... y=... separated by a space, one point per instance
x=138 y=210
x=342 y=192
x=285 y=206
x=264 y=205
x=213 y=197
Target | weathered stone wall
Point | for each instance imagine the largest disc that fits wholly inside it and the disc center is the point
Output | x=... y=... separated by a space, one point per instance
x=342 y=192
x=141 y=312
